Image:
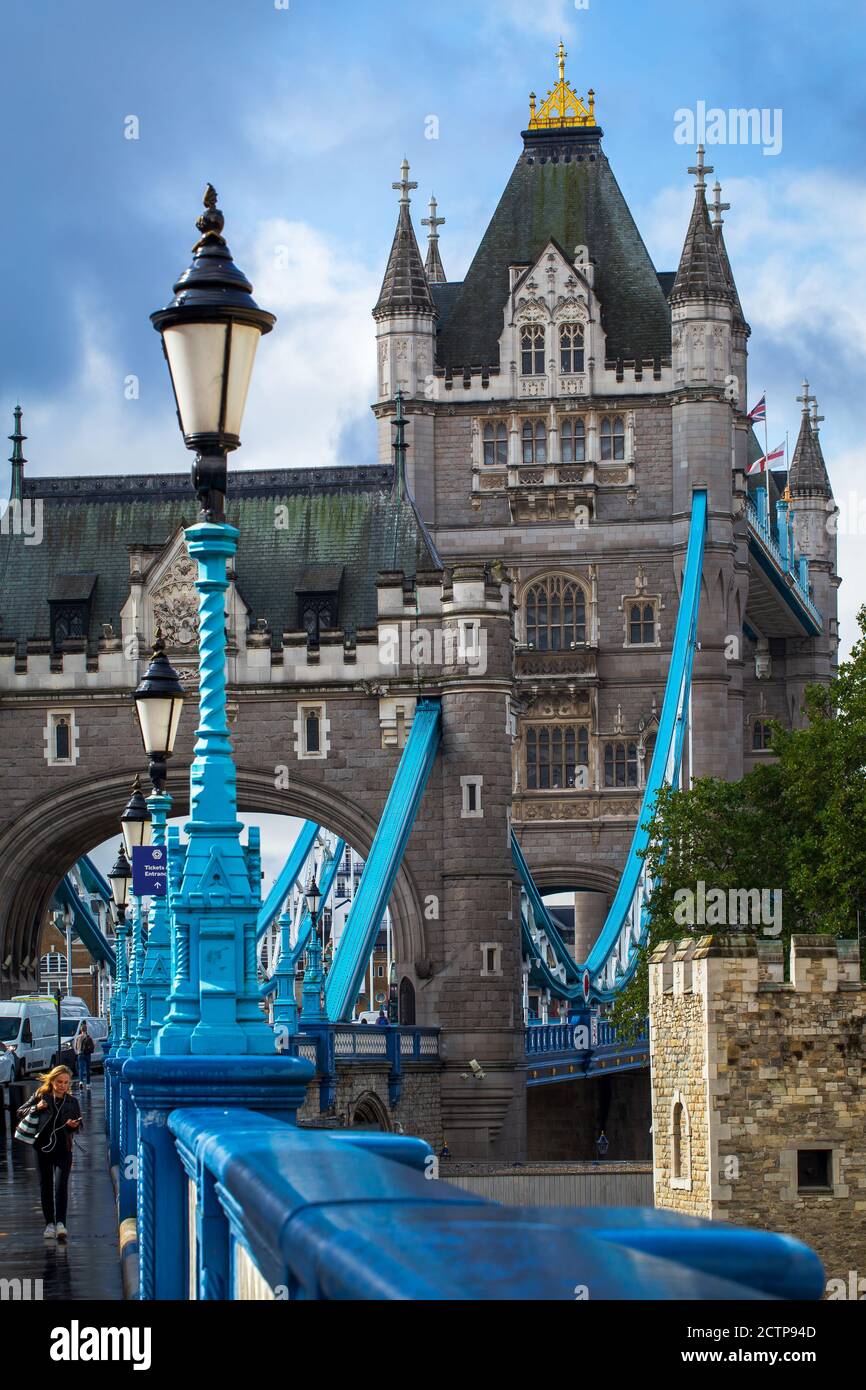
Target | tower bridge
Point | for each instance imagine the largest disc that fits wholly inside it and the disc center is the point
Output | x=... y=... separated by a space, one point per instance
x=570 y=484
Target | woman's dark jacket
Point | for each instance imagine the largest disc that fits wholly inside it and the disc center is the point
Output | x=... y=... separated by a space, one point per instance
x=69 y=1109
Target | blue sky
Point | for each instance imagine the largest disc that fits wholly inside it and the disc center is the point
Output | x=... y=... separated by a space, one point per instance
x=300 y=117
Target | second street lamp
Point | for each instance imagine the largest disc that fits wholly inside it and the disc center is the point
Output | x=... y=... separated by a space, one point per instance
x=135 y=821
x=159 y=704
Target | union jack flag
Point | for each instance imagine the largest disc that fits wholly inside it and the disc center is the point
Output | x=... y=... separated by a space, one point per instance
x=759 y=411
x=770 y=460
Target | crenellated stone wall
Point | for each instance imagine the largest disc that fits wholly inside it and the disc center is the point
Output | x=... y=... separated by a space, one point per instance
x=748 y=1071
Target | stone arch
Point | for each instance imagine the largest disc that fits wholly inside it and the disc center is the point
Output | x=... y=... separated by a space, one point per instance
x=369 y=1111
x=54 y=831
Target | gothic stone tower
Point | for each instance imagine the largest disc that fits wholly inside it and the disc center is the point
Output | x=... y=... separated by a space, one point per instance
x=576 y=398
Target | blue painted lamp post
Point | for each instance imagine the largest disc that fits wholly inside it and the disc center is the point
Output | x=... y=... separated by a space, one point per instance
x=215 y=1046
x=312 y=994
x=159 y=705
x=119 y=878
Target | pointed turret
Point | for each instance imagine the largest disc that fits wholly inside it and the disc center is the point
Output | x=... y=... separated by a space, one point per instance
x=701 y=274
x=433 y=267
x=405 y=288
x=717 y=207
x=17 y=458
x=807 y=476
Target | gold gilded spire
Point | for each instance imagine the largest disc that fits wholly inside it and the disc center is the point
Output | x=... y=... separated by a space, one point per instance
x=562 y=106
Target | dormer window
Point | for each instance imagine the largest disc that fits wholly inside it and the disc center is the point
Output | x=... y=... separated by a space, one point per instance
x=572 y=441
x=318 y=593
x=571 y=348
x=495 y=441
x=534 y=437
x=69 y=602
x=532 y=351
x=612 y=438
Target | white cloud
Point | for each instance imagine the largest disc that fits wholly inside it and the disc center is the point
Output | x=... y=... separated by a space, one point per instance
x=799 y=276
x=315 y=373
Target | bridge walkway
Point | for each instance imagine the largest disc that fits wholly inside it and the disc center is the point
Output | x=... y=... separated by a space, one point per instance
x=88 y=1266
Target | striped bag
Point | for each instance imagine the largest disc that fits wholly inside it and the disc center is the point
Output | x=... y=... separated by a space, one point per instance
x=28 y=1127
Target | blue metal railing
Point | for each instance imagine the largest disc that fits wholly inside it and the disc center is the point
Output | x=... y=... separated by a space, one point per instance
x=288 y=876
x=84 y=924
x=614 y=956
x=303 y=1214
x=794 y=569
x=386 y=854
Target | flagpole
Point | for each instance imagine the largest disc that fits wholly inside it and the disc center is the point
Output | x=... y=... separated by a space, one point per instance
x=767 y=462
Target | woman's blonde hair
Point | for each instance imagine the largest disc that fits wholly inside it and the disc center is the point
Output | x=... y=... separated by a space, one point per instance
x=48 y=1078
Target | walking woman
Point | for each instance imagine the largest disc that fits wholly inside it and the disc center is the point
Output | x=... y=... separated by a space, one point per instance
x=55 y=1116
x=84 y=1048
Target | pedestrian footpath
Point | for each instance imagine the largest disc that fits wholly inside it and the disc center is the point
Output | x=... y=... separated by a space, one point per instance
x=88 y=1266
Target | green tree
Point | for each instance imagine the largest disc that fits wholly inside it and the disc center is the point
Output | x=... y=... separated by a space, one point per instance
x=796 y=826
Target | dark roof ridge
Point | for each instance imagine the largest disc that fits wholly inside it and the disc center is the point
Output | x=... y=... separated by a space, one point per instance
x=243 y=483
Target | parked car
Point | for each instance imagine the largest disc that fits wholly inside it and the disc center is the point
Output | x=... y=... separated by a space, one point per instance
x=29 y=1031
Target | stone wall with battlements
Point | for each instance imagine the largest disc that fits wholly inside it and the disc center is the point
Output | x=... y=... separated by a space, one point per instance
x=759 y=1110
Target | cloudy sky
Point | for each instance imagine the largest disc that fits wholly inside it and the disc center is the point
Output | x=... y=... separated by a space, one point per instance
x=300 y=113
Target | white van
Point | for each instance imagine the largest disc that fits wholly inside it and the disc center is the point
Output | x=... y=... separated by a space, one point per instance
x=96 y=1027
x=29 y=1031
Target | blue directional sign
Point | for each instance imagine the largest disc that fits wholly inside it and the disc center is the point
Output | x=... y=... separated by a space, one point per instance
x=149 y=871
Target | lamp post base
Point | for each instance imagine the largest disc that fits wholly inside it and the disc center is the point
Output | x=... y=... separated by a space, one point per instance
x=275 y=1086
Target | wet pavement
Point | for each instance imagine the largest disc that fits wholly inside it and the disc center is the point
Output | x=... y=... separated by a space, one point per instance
x=88 y=1266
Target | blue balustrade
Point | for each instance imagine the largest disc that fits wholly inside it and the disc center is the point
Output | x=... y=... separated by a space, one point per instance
x=269 y=1210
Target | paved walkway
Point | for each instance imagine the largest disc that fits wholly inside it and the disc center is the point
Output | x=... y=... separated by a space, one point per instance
x=88 y=1266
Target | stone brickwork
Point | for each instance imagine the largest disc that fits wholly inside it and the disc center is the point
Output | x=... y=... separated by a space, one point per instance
x=748 y=1070
x=418 y=1111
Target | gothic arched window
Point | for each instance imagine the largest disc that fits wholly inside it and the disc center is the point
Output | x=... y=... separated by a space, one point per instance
x=571 y=348
x=555 y=614
x=641 y=624
x=612 y=437
x=532 y=350
x=620 y=764
x=554 y=752
x=496 y=442
x=762 y=735
x=534 y=436
x=572 y=437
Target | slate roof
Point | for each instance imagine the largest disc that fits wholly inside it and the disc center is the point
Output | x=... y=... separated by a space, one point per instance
x=808 y=472
x=404 y=288
x=701 y=273
x=729 y=274
x=349 y=518
x=433 y=267
x=562 y=187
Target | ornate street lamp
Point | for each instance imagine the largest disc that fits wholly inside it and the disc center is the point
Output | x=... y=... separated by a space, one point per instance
x=135 y=821
x=314 y=898
x=120 y=877
x=158 y=704
x=210 y=332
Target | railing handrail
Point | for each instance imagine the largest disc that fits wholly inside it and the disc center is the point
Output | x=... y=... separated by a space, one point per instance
x=330 y=1215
